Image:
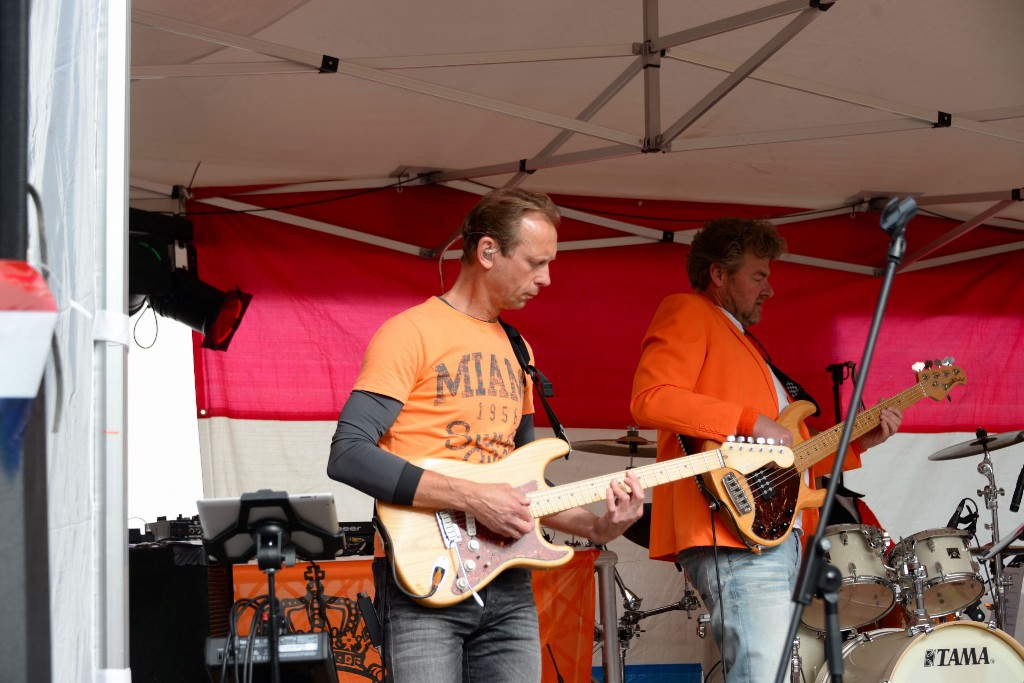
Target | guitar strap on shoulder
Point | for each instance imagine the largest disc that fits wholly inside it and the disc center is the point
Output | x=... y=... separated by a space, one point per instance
x=545 y=389
x=792 y=387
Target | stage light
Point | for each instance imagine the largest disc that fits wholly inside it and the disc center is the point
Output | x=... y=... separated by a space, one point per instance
x=156 y=246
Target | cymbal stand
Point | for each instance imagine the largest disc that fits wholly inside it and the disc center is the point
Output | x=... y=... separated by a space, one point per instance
x=991 y=495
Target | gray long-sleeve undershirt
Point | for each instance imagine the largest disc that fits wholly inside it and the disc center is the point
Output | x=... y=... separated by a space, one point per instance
x=358 y=461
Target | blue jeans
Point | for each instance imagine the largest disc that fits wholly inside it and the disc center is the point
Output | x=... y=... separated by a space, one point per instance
x=463 y=643
x=750 y=620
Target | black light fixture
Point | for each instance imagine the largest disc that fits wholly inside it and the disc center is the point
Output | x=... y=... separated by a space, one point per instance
x=156 y=244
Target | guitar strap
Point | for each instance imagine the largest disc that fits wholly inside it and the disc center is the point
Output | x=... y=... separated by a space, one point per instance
x=791 y=386
x=544 y=387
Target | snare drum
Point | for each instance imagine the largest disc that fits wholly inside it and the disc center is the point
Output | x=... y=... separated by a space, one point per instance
x=953 y=652
x=868 y=591
x=952 y=581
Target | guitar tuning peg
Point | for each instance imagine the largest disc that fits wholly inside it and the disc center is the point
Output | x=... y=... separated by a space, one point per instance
x=759 y=440
x=918 y=366
x=771 y=442
x=927 y=365
x=947 y=361
x=730 y=438
x=936 y=363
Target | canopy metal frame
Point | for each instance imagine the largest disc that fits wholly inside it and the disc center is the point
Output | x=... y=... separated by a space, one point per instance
x=649 y=56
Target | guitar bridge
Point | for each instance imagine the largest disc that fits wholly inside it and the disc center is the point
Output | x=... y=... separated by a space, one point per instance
x=450 y=533
x=736 y=494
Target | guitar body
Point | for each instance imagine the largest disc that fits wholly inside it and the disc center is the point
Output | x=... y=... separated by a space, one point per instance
x=418 y=549
x=761 y=512
x=760 y=507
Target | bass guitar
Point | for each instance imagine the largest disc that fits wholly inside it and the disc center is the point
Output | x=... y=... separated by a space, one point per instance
x=761 y=506
x=440 y=557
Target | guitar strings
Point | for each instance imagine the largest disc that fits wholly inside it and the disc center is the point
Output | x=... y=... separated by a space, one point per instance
x=592 y=490
x=782 y=476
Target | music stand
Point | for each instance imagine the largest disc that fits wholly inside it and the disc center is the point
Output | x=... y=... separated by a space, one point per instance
x=274 y=528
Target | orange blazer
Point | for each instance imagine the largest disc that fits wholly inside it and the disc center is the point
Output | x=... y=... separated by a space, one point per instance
x=701 y=377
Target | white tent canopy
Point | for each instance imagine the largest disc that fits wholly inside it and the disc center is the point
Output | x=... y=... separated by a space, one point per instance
x=781 y=104
x=752 y=102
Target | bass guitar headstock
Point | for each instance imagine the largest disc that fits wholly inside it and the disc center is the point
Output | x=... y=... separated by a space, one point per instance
x=937 y=377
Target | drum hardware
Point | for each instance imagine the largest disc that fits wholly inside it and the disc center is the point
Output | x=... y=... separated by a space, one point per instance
x=991 y=495
x=629 y=622
x=985 y=444
x=796 y=663
x=702 y=624
x=920 y=620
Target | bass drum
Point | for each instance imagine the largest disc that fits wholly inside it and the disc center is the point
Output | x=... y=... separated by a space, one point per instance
x=953 y=652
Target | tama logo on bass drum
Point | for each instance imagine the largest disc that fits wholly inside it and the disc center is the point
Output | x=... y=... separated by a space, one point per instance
x=956 y=656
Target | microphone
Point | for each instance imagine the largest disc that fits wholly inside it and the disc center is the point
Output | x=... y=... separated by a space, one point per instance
x=1018 y=491
x=897 y=213
x=955 y=519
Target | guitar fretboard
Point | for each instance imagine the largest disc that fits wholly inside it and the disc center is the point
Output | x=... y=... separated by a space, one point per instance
x=568 y=496
x=826 y=443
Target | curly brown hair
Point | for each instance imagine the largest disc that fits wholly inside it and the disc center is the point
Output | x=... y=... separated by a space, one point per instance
x=724 y=241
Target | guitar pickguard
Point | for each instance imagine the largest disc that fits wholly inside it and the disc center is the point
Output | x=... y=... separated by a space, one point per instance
x=483 y=553
x=775 y=491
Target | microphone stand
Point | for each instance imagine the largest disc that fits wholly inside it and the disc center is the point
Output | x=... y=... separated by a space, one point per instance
x=818 y=576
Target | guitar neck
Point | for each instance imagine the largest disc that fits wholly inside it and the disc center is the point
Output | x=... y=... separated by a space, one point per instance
x=822 y=445
x=568 y=496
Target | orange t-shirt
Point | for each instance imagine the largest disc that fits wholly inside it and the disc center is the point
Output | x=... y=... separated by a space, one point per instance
x=461 y=386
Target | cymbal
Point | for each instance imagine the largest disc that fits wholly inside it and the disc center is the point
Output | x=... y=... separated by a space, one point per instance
x=629 y=445
x=993 y=441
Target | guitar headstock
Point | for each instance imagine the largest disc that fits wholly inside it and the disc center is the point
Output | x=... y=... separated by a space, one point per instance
x=746 y=454
x=938 y=377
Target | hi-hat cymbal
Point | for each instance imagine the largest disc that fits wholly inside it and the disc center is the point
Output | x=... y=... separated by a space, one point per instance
x=629 y=445
x=993 y=442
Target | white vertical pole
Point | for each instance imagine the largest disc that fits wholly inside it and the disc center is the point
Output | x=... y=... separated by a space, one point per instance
x=110 y=349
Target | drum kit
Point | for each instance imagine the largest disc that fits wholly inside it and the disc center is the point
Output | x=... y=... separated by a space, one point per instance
x=932 y=576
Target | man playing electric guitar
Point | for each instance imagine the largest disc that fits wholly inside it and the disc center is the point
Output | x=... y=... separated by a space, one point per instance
x=700 y=377
x=441 y=380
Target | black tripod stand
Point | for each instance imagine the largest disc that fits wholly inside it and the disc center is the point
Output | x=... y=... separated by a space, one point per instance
x=274 y=528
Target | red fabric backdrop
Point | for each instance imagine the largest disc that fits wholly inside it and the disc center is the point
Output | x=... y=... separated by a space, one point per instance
x=318 y=298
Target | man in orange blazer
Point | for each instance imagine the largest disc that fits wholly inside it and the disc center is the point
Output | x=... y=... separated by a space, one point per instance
x=700 y=376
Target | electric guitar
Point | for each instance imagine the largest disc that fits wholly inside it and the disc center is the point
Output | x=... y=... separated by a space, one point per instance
x=440 y=557
x=761 y=506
